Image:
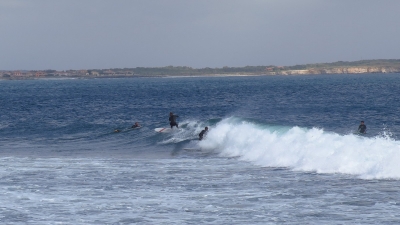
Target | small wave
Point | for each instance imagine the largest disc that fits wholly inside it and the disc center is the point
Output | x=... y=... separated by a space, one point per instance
x=306 y=149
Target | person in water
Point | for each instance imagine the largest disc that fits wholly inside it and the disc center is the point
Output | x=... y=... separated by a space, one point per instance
x=136 y=125
x=203 y=133
x=117 y=131
x=362 y=128
x=172 y=120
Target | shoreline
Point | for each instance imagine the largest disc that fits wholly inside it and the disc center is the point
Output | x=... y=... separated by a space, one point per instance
x=217 y=75
x=136 y=76
x=376 y=66
x=182 y=76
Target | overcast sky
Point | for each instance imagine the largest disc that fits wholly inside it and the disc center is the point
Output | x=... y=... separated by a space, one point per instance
x=90 y=34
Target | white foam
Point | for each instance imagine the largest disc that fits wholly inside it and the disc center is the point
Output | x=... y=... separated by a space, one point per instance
x=306 y=149
x=190 y=131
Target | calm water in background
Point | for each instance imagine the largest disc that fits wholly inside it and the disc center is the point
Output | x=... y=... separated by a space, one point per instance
x=280 y=150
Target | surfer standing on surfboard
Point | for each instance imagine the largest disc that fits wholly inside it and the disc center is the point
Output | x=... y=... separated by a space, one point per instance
x=203 y=133
x=172 y=120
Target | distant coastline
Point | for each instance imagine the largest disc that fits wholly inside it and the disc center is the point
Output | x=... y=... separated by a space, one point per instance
x=340 y=67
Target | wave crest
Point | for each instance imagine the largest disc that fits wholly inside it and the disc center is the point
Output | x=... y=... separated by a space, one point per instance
x=305 y=149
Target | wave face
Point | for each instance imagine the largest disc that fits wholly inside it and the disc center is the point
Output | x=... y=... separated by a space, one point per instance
x=305 y=149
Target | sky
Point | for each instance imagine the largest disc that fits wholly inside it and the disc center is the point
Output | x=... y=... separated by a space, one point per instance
x=102 y=34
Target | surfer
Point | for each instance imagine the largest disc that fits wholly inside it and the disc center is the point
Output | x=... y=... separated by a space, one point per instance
x=362 y=128
x=117 y=131
x=172 y=120
x=203 y=133
x=136 y=125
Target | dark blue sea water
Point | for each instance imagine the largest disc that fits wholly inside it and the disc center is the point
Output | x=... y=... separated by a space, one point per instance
x=281 y=149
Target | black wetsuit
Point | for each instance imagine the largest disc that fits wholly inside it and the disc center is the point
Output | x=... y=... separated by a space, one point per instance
x=202 y=133
x=172 y=121
x=362 y=128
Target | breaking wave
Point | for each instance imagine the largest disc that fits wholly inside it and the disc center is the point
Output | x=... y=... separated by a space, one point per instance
x=305 y=149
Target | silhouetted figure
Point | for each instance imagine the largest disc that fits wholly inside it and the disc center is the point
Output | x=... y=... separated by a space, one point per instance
x=362 y=128
x=136 y=125
x=203 y=133
x=172 y=120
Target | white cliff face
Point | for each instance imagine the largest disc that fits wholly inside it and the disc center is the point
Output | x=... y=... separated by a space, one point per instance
x=338 y=70
x=295 y=72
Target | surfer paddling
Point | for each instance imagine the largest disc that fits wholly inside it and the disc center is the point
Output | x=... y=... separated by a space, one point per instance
x=136 y=125
x=172 y=120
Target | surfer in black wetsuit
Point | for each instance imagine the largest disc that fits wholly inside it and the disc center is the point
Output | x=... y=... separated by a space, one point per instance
x=203 y=133
x=172 y=120
x=136 y=125
x=362 y=128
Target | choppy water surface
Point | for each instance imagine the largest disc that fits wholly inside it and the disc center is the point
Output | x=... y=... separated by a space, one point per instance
x=279 y=150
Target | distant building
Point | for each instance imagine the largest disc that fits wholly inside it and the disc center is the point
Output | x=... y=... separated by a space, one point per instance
x=6 y=74
x=17 y=73
x=83 y=71
x=40 y=74
x=28 y=74
x=109 y=72
x=61 y=73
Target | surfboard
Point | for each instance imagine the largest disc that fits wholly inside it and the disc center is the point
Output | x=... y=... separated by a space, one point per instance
x=163 y=130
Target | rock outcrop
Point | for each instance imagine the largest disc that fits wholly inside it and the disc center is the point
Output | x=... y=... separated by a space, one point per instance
x=337 y=70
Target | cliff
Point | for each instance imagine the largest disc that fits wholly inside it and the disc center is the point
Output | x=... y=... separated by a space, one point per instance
x=337 y=70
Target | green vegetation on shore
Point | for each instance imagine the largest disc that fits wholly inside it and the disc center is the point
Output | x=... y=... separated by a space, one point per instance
x=257 y=70
x=184 y=70
x=362 y=66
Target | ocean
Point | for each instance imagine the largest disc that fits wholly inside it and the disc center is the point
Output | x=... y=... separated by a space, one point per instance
x=280 y=150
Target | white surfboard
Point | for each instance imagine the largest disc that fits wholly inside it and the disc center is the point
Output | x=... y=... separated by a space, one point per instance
x=163 y=130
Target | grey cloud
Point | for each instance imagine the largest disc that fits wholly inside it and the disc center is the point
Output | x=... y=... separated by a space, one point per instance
x=72 y=34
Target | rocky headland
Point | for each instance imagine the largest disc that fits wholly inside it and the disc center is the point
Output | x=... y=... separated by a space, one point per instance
x=341 y=67
x=337 y=70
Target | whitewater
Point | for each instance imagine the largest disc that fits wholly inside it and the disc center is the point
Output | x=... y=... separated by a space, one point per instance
x=306 y=149
x=280 y=150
